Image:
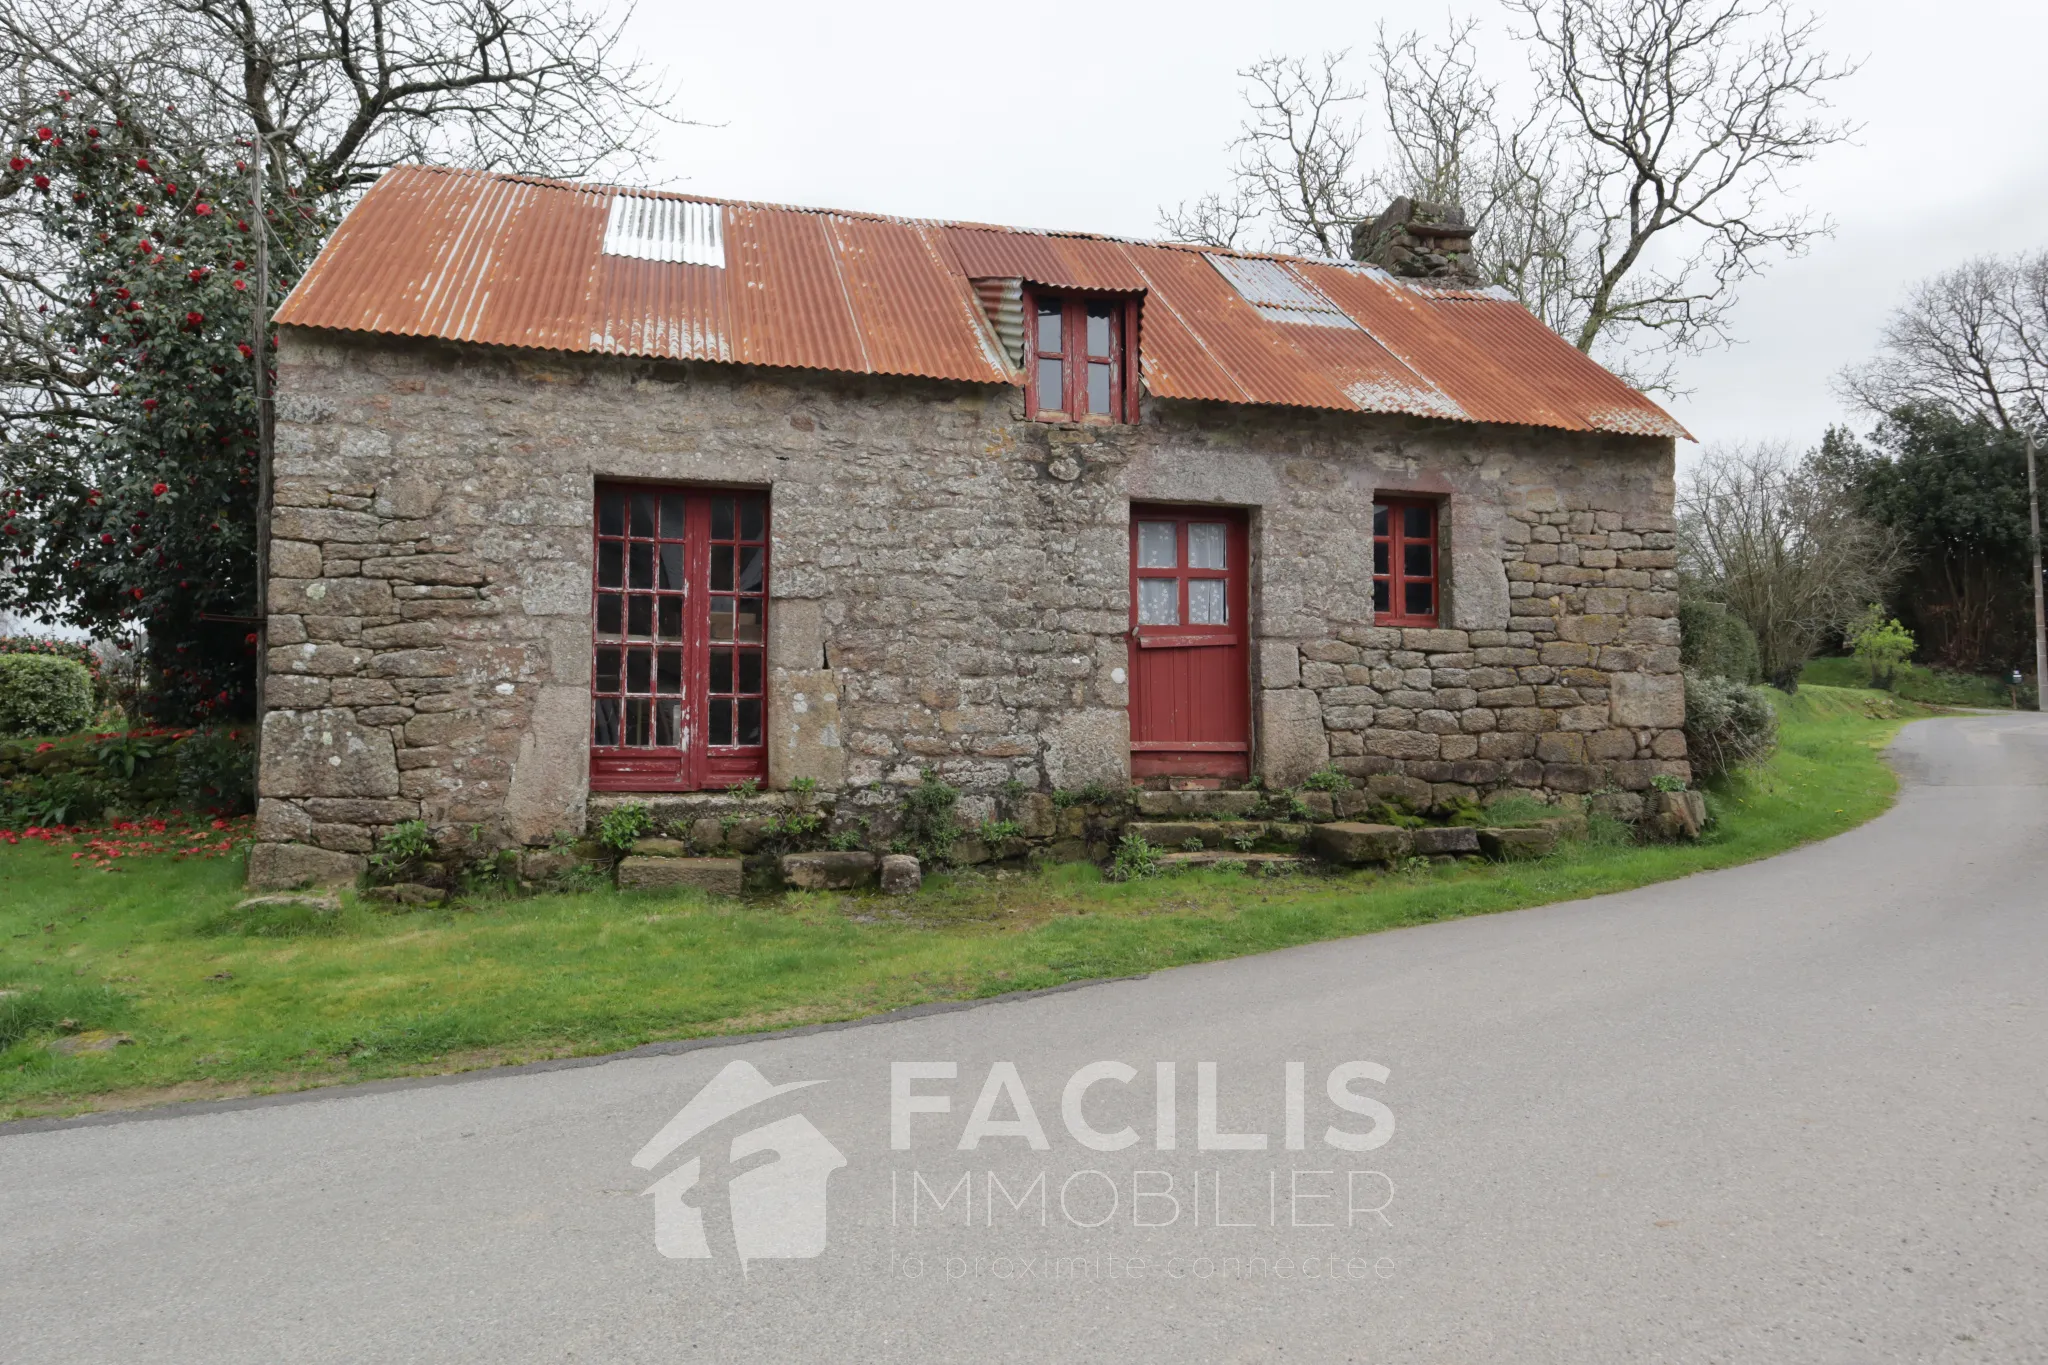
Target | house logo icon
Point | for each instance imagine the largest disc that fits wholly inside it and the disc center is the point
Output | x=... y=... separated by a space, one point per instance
x=777 y=1207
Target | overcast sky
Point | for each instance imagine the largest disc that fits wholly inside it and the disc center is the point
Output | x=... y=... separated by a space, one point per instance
x=1089 y=114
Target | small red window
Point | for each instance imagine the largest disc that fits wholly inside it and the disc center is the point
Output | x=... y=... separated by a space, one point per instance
x=1076 y=364
x=1404 y=562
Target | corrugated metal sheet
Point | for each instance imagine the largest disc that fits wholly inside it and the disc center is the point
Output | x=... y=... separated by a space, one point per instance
x=512 y=261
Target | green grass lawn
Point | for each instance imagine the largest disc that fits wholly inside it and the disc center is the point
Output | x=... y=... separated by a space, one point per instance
x=220 y=1005
x=1918 y=682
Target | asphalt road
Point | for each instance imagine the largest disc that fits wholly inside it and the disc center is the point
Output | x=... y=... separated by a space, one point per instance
x=1796 y=1111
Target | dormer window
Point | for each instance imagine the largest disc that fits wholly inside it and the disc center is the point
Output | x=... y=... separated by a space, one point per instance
x=1077 y=357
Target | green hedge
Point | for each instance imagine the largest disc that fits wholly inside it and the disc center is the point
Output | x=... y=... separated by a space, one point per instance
x=81 y=779
x=1715 y=641
x=50 y=647
x=41 y=695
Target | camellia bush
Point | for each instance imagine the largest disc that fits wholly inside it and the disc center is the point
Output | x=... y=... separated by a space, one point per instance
x=137 y=509
x=42 y=695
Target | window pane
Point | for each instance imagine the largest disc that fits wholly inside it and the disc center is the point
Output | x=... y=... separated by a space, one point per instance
x=721 y=618
x=608 y=613
x=721 y=568
x=1415 y=559
x=606 y=732
x=1159 y=601
x=1418 y=597
x=671 y=618
x=1050 y=399
x=747 y=621
x=1206 y=602
x=643 y=514
x=640 y=563
x=721 y=518
x=1379 y=594
x=672 y=567
x=607 y=670
x=721 y=720
x=1098 y=387
x=1098 y=328
x=753 y=519
x=1379 y=556
x=750 y=671
x=668 y=724
x=721 y=670
x=1379 y=520
x=1205 y=545
x=668 y=676
x=611 y=563
x=611 y=514
x=640 y=670
x=1415 y=521
x=639 y=615
x=672 y=513
x=639 y=711
x=750 y=720
x=1155 y=545
x=751 y=559
x=1049 y=325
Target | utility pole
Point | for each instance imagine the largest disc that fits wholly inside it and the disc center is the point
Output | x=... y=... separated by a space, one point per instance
x=2040 y=613
x=260 y=342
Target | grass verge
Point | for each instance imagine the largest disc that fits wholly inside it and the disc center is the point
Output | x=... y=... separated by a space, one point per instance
x=219 y=1005
x=1918 y=682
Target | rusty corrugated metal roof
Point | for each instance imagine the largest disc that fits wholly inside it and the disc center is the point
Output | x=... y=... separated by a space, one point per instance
x=515 y=261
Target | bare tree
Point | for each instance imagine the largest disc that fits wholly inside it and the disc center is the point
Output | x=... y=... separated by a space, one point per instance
x=335 y=91
x=1972 y=342
x=1785 y=547
x=1624 y=205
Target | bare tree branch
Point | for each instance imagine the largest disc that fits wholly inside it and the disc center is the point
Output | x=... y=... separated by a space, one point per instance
x=1972 y=342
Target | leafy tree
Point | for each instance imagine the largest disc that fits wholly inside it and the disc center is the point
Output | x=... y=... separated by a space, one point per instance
x=1954 y=487
x=1879 y=643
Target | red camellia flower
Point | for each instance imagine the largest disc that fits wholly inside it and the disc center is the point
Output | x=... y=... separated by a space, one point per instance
x=78 y=196
x=137 y=594
x=197 y=272
x=17 y=164
x=141 y=163
x=42 y=182
x=248 y=352
x=203 y=210
x=149 y=405
x=142 y=210
x=194 y=319
x=241 y=225
x=44 y=135
x=241 y=284
x=106 y=539
x=159 y=490
x=92 y=132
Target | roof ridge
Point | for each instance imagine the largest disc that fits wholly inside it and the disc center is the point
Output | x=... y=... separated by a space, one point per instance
x=869 y=215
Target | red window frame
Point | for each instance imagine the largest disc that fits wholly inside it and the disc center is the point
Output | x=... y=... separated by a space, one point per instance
x=679 y=637
x=1405 y=545
x=1073 y=355
x=1231 y=574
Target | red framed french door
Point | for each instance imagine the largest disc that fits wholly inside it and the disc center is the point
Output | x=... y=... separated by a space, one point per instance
x=679 y=629
x=1190 y=660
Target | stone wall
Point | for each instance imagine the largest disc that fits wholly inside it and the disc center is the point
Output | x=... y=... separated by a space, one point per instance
x=948 y=587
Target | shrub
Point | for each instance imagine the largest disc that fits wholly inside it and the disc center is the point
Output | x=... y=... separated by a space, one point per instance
x=217 y=769
x=623 y=825
x=1882 y=646
x=51 y=647
x=1327 y=779
x=1715 y=641
x=929 y=828
x=76 y=780
x=1727 y=724
x=43 y=695
x=1135 y=858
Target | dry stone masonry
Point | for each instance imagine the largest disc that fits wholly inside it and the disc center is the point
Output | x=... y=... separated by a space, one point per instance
x=949 y=590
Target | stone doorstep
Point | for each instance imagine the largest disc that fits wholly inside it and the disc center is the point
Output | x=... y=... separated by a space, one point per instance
x=717 y=876
x=1174 y=834
x=1198 y=803
x=829 y=871
x=1208 y=859
x=1348 y=841
x=1445 y=841
x=1513 y=845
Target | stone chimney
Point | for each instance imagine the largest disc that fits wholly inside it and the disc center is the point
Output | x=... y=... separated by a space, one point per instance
x=1418 y=240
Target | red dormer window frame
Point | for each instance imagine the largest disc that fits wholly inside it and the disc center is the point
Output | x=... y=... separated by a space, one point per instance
x=1074 y=357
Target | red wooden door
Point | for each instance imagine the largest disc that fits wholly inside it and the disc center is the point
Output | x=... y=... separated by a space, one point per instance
x=1190 y=666
x=679 y=621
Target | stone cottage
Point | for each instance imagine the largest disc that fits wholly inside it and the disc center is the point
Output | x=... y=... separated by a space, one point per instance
x=585 y=490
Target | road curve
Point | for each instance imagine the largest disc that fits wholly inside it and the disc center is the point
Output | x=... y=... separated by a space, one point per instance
x=1795 y=1111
